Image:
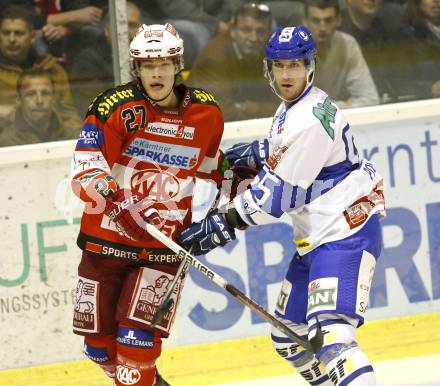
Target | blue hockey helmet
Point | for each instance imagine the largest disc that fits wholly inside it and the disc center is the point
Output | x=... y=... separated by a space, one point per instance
x=290 y=43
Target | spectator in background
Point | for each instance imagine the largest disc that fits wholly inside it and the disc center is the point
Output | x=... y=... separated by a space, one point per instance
x=196 y=20
x=35 y=117
x=91 y=71
x=385 y=44
x=342 y=67
x=423 y=16
x=56 y=20
x=134 y=19
x=231 y=66
x=284 y=12
x=16 y=55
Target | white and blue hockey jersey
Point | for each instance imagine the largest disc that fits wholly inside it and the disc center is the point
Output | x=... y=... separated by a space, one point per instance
x=314 y=174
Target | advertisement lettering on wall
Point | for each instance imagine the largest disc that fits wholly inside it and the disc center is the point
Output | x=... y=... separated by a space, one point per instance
x=40 y=256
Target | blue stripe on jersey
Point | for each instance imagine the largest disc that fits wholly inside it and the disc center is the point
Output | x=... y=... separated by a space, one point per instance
x=269 y=192
x=351 y=152
x=344 y=138
x=276 y=196
x=337 y=171
x=91 y=137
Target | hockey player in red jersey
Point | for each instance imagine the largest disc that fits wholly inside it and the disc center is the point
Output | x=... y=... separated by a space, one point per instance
x=142 y=146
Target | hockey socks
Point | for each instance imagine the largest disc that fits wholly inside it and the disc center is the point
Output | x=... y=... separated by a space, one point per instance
x=137 y=352
x=102 y=351
x=349 y=367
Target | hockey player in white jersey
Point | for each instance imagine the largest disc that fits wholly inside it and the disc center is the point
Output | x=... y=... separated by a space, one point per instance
x=309 y=169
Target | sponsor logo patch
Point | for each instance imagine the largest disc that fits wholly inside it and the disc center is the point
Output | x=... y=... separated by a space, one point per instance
x=366 y=272
x=360 y=210
x=170 y=130
x=275 y=157
x=153 y=34
x=302 y=244
x=184 y=157
x=85 y=315
x=91 y=137
x=170 y=28
x=203 y=96
x=135 y=338
x=283 y=296
x=151 y=287
x=113 y=100
x=281 y=121
x=148 y=256
x=323 y=295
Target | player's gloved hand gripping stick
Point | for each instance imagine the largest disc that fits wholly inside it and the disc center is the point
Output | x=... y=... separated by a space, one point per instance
x=314 y=345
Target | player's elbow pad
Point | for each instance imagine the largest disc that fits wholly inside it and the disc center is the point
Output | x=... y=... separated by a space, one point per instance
x=94 y=185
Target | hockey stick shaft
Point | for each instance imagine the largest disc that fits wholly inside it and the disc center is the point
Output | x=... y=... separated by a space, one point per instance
x=216 y=278
x=166 y=303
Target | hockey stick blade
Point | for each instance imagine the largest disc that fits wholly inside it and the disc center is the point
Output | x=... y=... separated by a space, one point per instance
x=314 y=345
x=318 y=340
x=162 y=311
x=167 y=302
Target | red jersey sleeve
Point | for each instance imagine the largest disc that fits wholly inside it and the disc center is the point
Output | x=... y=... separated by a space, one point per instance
x=98 y=147
x=212 y=167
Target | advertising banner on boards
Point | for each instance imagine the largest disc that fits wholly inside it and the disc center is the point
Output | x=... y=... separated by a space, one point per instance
x=39 y=224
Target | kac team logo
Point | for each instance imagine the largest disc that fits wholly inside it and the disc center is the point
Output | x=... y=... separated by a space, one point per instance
x=159 y=185
x=127 y=375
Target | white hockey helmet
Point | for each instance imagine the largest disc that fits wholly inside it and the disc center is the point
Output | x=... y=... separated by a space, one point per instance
x=156 y=41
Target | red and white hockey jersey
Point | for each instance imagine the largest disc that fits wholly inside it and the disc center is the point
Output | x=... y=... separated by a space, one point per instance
x=155 y=151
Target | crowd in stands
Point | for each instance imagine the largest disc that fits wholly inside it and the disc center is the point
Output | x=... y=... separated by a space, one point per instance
x=56 y=55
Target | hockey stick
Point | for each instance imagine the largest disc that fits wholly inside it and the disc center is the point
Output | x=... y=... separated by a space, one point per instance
x=314 y=345
x=167 y=302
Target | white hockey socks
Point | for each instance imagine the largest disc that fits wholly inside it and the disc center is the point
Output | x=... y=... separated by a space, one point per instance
x=312 y=370
x=351 y=368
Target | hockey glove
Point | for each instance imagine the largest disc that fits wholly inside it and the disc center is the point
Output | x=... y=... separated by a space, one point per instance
x=242 y=176
x=252 y=154
x=130 y=211
x=204 y=236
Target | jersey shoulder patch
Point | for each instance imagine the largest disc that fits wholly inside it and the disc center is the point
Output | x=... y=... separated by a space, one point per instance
x=200 y=96
x=108 y=101
x=325 y=111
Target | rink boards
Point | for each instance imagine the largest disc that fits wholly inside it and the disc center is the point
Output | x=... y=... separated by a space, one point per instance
x=39 y=257
x=244 y=359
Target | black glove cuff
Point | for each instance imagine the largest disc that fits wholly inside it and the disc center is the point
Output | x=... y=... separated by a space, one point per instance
x=232 y=217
